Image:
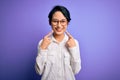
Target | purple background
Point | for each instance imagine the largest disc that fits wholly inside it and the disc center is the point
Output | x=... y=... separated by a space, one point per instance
x=95 y=24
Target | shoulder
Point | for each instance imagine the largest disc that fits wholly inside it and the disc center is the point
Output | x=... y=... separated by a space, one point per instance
x=40 y=41
x=76 y=40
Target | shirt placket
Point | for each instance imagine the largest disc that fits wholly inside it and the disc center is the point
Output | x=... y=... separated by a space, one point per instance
x=61 y=71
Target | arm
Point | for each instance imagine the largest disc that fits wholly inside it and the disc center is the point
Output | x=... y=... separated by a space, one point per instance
x=40 y=60
x=75 y=58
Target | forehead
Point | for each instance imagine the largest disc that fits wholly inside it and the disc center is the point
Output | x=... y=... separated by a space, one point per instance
x=58 y=15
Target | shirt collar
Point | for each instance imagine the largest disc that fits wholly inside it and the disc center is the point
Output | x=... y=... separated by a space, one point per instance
x=64 y=39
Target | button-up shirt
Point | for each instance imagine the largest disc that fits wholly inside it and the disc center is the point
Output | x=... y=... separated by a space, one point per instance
x=58 y=62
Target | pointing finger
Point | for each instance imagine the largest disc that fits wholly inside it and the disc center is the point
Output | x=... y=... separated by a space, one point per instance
x=70 y=36
x=49 y=34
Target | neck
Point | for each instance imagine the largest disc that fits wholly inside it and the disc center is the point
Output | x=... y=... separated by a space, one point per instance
x=59 y=38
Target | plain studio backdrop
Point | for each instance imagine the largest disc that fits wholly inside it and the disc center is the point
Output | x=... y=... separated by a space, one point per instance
x=95 y=24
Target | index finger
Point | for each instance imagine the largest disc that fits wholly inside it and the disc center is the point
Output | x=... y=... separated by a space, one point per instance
x=69 y=35
x=49 y=34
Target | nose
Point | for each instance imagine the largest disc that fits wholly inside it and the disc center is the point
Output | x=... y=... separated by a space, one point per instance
x=59 y=24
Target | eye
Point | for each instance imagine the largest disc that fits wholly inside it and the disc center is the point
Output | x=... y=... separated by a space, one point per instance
x=55 y=21
x=63 y=21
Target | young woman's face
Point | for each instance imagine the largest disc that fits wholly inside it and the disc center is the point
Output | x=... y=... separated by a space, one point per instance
x=59 y=23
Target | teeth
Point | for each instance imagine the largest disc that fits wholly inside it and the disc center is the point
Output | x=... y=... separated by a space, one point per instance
x=59 y=29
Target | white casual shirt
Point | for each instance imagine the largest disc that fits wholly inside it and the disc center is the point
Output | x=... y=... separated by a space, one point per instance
x=58 y=62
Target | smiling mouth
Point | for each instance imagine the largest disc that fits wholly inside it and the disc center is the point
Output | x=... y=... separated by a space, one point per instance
x=58 y=30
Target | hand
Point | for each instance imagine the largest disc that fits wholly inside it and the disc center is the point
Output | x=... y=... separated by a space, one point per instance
x=46 y=41
x=71 y=42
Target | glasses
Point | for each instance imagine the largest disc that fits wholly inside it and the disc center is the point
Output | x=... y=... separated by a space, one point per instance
x=56 y=22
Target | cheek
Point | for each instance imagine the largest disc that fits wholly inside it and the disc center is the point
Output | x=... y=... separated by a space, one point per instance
x=65 y=27
x=52 y=26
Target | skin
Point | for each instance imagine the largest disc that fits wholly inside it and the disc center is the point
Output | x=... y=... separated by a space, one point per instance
x=58 y=32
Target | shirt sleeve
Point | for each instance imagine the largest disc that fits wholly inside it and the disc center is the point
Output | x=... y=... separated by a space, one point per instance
x=75 y=58
x=40 y=60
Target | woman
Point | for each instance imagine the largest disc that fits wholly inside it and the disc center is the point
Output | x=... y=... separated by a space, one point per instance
x=58 y=52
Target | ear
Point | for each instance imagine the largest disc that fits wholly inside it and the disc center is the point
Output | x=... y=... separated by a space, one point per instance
x=67 y=23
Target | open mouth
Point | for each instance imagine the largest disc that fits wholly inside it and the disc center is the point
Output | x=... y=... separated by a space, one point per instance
x=58 y=29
